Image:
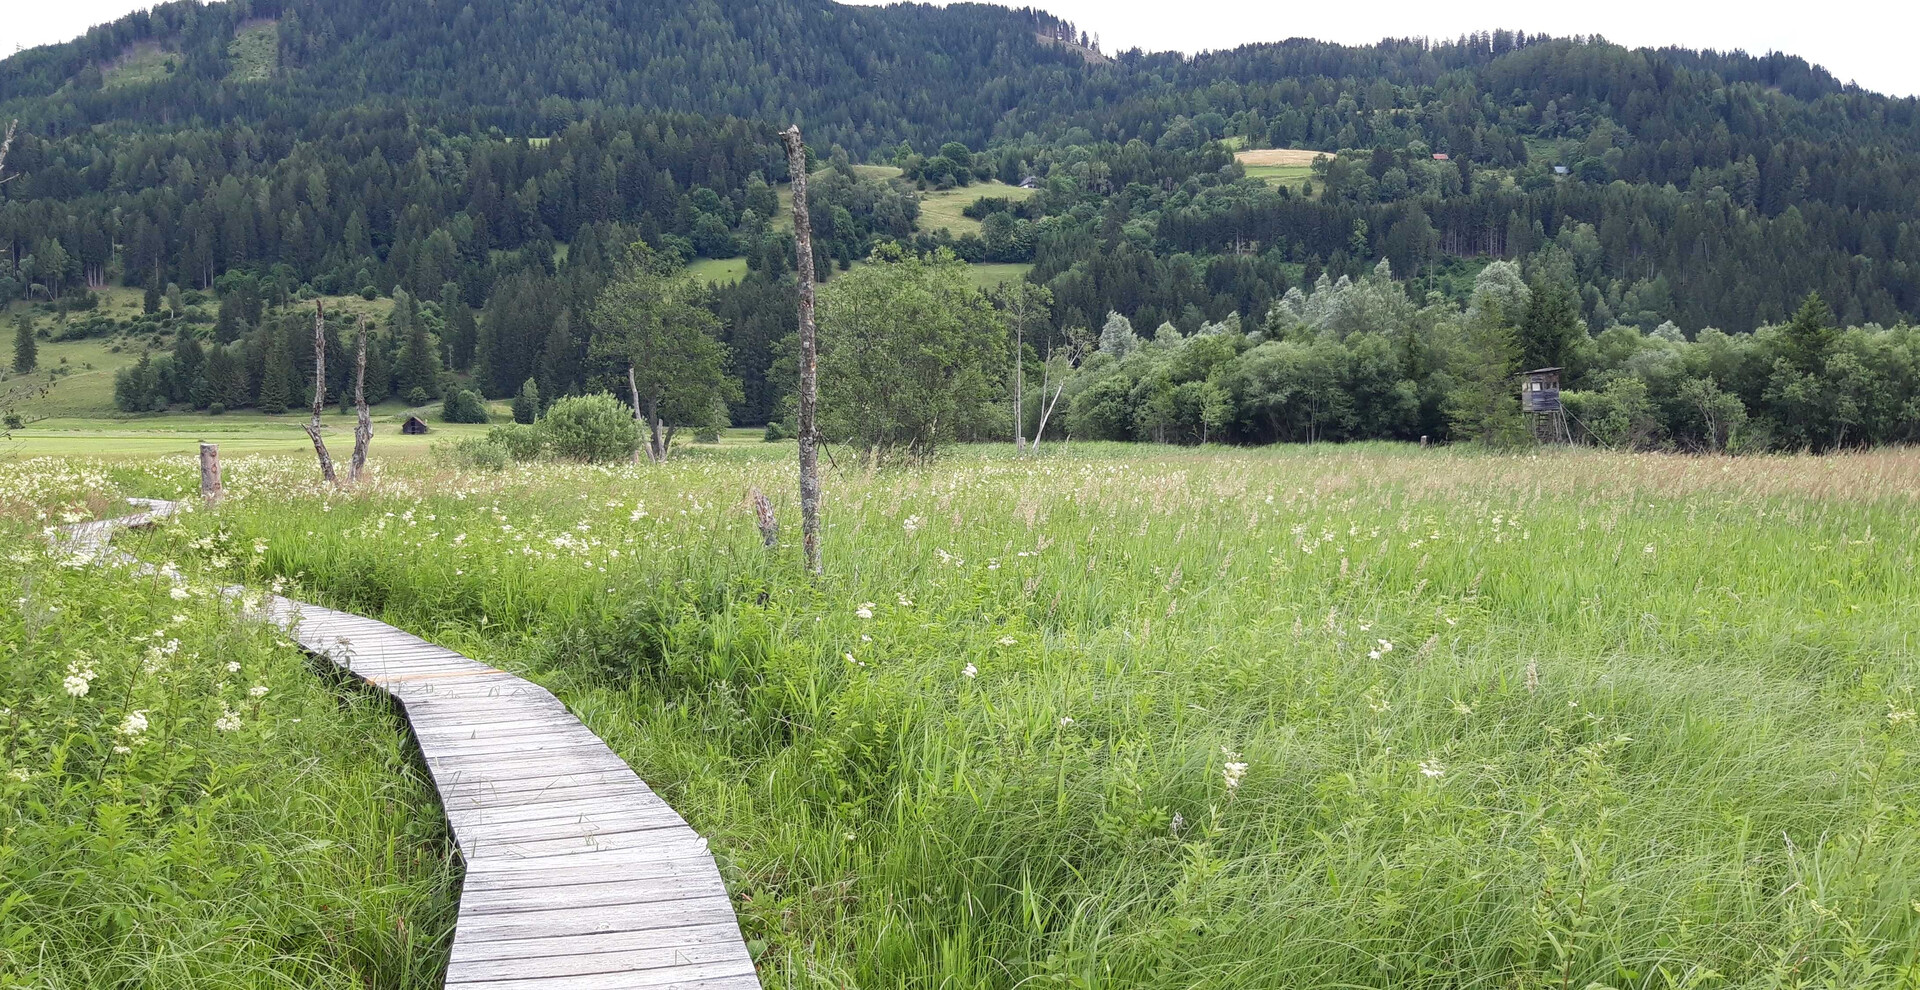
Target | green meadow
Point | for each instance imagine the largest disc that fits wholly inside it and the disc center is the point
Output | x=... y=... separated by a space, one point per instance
x=1160 y=717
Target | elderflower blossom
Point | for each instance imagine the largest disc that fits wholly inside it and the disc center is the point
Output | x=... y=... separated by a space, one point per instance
x=1006 y=641
x=1432 y=768
x=865 y=611
x=233 y=666
x=257 y=691
x=970 y=671
x=179 y=594
x=229 y=720
x=134 y=724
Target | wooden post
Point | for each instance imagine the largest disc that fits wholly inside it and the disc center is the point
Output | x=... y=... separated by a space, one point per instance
x=210 y=473
x=809 y=361
x=320 y=393
x=363 y=423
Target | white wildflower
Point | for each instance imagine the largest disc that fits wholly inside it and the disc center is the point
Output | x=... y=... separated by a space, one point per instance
x=1066 y=721
x=913 y=523
x=1179 y=820
x=865 y=611
x=76 y=685
x=1432 y=768
x=1006 y=641
x=1896 y=716
x=22 y=775
x=229 y=720
x=233 y=667
x=1233 y=769
x=179 y=594
x=970 y=671
x=134 y=724
x=257 y=691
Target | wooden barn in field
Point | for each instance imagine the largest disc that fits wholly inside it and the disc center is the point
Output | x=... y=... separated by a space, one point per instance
x=414 y=426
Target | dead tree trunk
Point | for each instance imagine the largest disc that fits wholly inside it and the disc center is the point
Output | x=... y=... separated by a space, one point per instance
x=210 y=488
x=1020 y=378
x=809 y=360
x=6 y=145
x=640 y=418
x=363 y=423
x=320 y=393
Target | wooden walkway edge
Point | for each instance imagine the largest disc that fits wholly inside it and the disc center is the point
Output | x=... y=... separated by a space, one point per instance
x=578 y=876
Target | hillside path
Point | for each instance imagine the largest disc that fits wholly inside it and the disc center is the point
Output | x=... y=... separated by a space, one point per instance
x=578 y=876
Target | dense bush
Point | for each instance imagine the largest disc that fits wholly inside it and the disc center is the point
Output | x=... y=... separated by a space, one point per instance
x=462 y=406
x=521 y=442
x=473 y=452
x=590 y=428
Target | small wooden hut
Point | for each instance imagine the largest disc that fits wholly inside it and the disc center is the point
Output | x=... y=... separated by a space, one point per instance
x=414 y=426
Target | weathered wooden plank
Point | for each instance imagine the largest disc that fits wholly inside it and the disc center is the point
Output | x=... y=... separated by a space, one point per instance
x=527 y=959
x=707 y=976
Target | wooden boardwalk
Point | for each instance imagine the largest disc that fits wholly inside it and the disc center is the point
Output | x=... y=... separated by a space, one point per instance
x=578 y=877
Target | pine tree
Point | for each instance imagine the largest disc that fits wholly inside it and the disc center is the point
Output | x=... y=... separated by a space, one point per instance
x=26 y=350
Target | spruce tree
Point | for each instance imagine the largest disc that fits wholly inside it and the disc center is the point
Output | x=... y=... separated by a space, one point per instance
x=416 y=367
x=556 y=372
x=526 y=403
x=278 y=386
x=461 y=336
x=26 y=350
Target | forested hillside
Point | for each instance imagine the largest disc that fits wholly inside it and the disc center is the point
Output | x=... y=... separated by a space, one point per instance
x=490 y=157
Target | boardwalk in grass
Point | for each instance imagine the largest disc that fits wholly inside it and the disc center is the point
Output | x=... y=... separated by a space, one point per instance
x=578 y=877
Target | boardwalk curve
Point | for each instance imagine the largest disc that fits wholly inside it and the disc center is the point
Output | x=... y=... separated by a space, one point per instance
x=578 y=876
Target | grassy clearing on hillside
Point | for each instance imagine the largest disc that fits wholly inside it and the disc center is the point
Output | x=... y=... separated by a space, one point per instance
x=255 y=51
x=183 y=800
x=941 y=208
x=143 y=62
x=1149 y=717
x=1290 y=167
x=718 y=269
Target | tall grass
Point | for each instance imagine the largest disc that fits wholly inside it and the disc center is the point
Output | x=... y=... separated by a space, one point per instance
x=1140 y=717
x=183 y=802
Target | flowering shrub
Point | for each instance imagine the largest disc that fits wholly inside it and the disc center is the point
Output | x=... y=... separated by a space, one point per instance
x=184 y=803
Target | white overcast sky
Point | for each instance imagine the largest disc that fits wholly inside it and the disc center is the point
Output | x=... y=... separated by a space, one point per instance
x=1870 y=42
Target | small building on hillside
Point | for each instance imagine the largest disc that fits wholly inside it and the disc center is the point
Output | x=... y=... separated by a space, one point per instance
x=1440 y=157
x=414 y=426
x=1560 y=170
x=1030 y=182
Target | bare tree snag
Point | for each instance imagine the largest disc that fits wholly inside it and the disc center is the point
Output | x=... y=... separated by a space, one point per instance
x=210 y=488
x=6 y=145
x=320 y=392
x=633 y=389
x=809 y=358
x=363 y=423
x=763 y=513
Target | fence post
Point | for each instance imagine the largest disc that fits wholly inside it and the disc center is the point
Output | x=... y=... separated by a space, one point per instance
x=210 y=472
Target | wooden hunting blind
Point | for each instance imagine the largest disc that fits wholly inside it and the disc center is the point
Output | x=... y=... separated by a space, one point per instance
x=414 y=426
x=1540 y=400
x=1540 y=390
